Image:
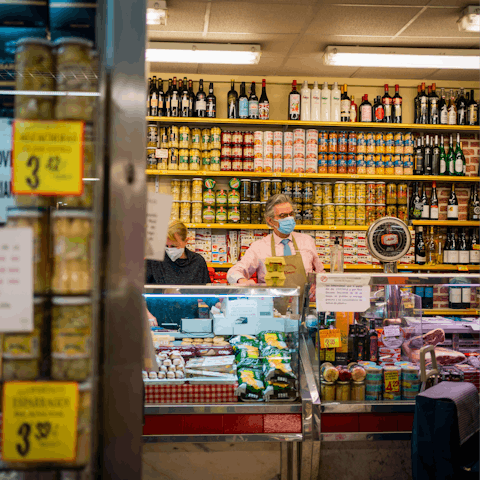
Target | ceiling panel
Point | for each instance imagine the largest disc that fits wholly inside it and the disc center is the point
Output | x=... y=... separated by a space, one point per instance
x=264 y=18
x=434 y=42
x=399 y=73
x=268 y=66
x=181 y=68
x=461 y=4
x=305 y=66
x=185 y=15
x=460 y=75
x=360 y=20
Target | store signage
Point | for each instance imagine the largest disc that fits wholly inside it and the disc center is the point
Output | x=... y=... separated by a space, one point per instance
x=342 y=293
x=158 y=216
x=330 y=338
x=16 y=280
x=392 y=382
x=47 y=157
x=6 y=197
x=40 y=421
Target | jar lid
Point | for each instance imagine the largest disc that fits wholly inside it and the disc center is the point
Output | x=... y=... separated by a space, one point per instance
x=363 y=183
x=21 y=212
x=360 y=382
x=266 y=180
x=343 y=383
x=317 y=204
x=72 y=214
x=380 y=183
x=350 y=182
x=198 y=179
x=245 y=180
x=342 y=182
x=35 y=41
x=278 y=180
x=326 y=204
x=73 y=41
x=361 y=204
x=38 y=300
x=254 y=202
x=370 y=204
x=317 y=183
x=71 y=300
x=324 y=382
x=197 y=201
x=350 y=204
x=245 y=202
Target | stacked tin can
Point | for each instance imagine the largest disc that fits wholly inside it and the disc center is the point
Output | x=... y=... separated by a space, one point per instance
x=221 y=205
x=237 y=152
x=373 y=382
x=187 y=200
x=410 y=381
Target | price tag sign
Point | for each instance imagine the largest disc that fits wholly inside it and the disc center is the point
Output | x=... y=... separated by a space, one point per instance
x=330 y=338
x=392 y=382
x=40 y=421
x=462 y=268
x=161 y=153
x=47 y=158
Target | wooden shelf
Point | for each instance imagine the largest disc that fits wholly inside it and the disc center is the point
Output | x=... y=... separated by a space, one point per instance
x=318 y=176
x=451 y=311
x=262 y=226
x=446 y=223
x=296 y=124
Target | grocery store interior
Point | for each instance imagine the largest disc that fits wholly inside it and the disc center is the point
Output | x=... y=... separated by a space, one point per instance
x=149 y=301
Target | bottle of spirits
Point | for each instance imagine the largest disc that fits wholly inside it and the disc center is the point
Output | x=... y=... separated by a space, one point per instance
x=378 y=111
x=175 y=100
x=161 y=98
x=416 y=206
x=373 y=342
x=211 y=102
x=433 y=113
x=446 y=248
x=474 y=247
x=461 y=109
x=416 y=102
x=335 y=103
x=253 y=103
x=325 y=104
x=149 y=86
x=434 y=203
x=264 y=104
x=294 y=103
x=452 y=109
x=243 y=103
x=453 y=256
x=168 y=98
x=419 y=159
x=428 y=159
x=474 y=204
x=397 y=106
x=423 y=106
x=365 y=110
x=420 y=254
x=191 y=103
x=387 y=106
x=232 y=100
x=201 y=101
x=452 y=206
x=431 y=248
x=425 y=204
x=153 y=94
x=443 y=108
x=463 y=251
x=450 y=158
x=305 y=103
x=353 y=111
x=460 y=163
x=185 y=100
x=344 y=105
x=472 y=110
x=315 y=101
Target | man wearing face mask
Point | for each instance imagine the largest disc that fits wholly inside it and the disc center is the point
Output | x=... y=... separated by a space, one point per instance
x=298 y=249
x=181 y=266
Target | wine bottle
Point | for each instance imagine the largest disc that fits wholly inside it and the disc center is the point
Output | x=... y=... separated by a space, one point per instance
x=443 y=108
x=153 y=98
x=294 y=103
x=174 y=100
x=373 y=342
x=185 y=100
x=452 y=109
x=461 y=109
x=191 y=103
x=463 y=251
x=315 y=103
x=325 y=103
x=416 y=102
x=474 y=247
x=201 y=101
x=242 y=102
x=420 y=255
x=435 y=156
x=416 y=206
x=397 y=106
x=149 y=86
x=455 y=298
x=161 y=98
x=345 y=105
x=305 y=102
x=453 y=248
x=211 y=102
x=472 y=110
x=365 y=110
x=168 y=99
x=419 y=159
x=353 y=110
x=433 y=115
x=264 y=104
x=443 y=157
x=460 y=163
x=253 y=103
x=427 y=157
x=378 y=110
x=431 y=248
x=450 y=158
x=425 y=204
x=474 y=204
x=446 y=248
x=232 y=99
x=434 y=203
x=387 y=106
x=423 y=106
x=452 y=206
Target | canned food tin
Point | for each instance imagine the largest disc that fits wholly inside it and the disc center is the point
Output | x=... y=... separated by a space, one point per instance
x=395 y=166
x=391 y=194
x=361 y=163
x=341 y=163
x=237 y=164
x=297 y=191
x=327 y=193
x=339 y=192
x=398 y=139
x=360 y=214
x=379 y=164
x=268 y=138
x=329 y=214
x=196 y=138
x=389 y=142
x=339 y=214
x=370 y=213
x=234 y=214
x=233 y=198
x=221 y=214
x=299 y=136
x=226 y=151
x=351 y=163
x=402 y=212
x=402 y=193
x=197 y=212
x=332 y=163
x=173 y=159
x=248 y=151
x=350 y=192
x=350 y=214
x=265 y=190
x=370 y=162
x=227 y=138
x=216 y=137
x=361 y=143
x=322 y=141
x=380 y=211
x=257 y=138
x=208 y=214
x=398 y=150
x=276 y=186
x=332 y=143
x=209 y=197
x=379 y=148
x=352 y=143
x=408 y=143
x=225 y=164
x=380 y=192
x=391 y=210
x=152 y=135
x=322 y=163
x=317 y=192
x=379 y=139
x=277 y=139
x=342 y=142
x=255 y=190
x=194 y=159
x=370 y=190
x=287 y=188
x=248 y=138
x=151 y=159
x=184 y=137
x=256 y=214
x=308 y=192
x=288 y=139
x=175 y=212
x=317 y=214
x=312 y=137
x=185 y=212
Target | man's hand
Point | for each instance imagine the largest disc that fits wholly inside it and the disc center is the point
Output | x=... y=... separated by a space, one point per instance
x=244 y=281
x=152 y=320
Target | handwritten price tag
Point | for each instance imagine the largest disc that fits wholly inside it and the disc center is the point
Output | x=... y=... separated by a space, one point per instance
x=47 y=157
x=392 y=382
x=330 y=338
x=40 y=421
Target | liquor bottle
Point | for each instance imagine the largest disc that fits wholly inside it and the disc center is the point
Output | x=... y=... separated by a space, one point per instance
x=461 y=109
x=242 y=102
x=264 y=104
x=460 y=163
x=211 y=102
x=425 y=204
x=423 y=119
x=419 y=166
x=294 y=103
x=325 y=103
x=378 y=111
x=434 y=202
x=372 y=342
x=443 y=157
x=232 y=99
x=416 y=206
x=335 y=110
x=427 y=156
x=185 y=100
x=201 y=101
x=397 y=106
x=191 y=103
x=435 y=156
x=153 y=98
x=149 y=86
x=161 y=98
x=174 y=100
x=443 y=108
x=420 y=255
x=452 y=109
x=365 y=110
x=472 y=110
x=474 y=204
x=305 y=102
x=416 y=102
x=474 y=247
x=446 y=248
x=345 y=104
x=315 y=103
x=353 y=110
x=452 y=206
x=453 y=256
x=463 y=251
x=352 y=354
x=387 y=106
x=361 y=344
x=431 y=249
x=253 y=103
x=450 y=164
x=168 y=99
x=433 y=114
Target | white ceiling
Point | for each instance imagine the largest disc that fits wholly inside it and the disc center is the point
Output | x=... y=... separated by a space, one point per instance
x=294 y=33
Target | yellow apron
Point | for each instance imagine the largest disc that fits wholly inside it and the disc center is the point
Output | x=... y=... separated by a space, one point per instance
x=295 y=275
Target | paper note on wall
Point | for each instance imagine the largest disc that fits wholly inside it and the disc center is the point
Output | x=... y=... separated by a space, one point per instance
x=158 y=216
x=6 y=197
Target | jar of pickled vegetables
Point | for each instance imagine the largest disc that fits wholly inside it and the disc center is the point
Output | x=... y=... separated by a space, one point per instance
x=185 y=211
x=350 y=214
x=256 y=214
x=342 y=392
x=197 y=212
x=380 y=192
x=340 y=214
x=360 y=214
x=402 y=193
x=197 y=190
x=175 y=211
x=317 y=214
x=245 y=212
x=370 y=213
x=357 y=392
x=328 y=214
x=327 y=391
x=391 y=193
x=380 y=211
x=317 y=192
x=391 y=210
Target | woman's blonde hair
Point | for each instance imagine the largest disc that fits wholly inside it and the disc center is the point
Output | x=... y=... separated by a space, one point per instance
x=176 y=227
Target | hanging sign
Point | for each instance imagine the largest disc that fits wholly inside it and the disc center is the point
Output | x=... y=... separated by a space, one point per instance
x=330 y=338
x=47 y=157
x=40 y=421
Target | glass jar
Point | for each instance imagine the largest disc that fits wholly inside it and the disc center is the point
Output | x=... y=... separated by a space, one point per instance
x=380 y=211
x=327 y=193
x=255 y=197
x=265 y=190
x=370 y=192
x=245 y=190
x=298 y=209
x=370 y=213
x=327 y=391
x=350 y=214
x=340 y=214
x=245 y=212
x=339 y=192
x=317 y=214
x=256 y=215
x=263 y=208
x=233 y=198
x=402 y=212
x=173 y=159
x=402 y=193
x=209 y=197
x=391 y=210
x=360 y=214
x=197 y=190
x=308 y=192
x=276 y=186
x=360 y=192
x=194 y=159
x=297 y=191
x=175 y=212
x=184 y=141
x=221 y=214
x=350 y=196
x=185 y=212
x=215 y=160
x=391 y=194
x=287 y=188
x=328 y=214
x=206 y=160
x=208 y=214
x=342 y=392
x=233 y=215
x=197 y=212
x=221 y=197
x=185 y=191
x=307 y=214
x=358 y=392
x=317 y=192
x=380 y=193
x=205 y=139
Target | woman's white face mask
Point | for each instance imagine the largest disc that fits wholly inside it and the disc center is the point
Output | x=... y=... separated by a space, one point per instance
x=174 y=253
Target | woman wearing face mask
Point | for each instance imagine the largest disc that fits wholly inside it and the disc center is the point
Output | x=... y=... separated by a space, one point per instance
x=181 y=266
x=298 y=249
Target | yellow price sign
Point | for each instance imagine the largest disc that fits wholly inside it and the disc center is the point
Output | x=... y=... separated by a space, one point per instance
x=40 y=421
x=392 y=382
x=330 y=338
x=47 y=157
x=462 y=268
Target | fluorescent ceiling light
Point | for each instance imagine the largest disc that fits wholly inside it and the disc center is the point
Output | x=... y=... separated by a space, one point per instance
x=156 y=12
x=469 y=21
x=217 y=53
x=402 y=57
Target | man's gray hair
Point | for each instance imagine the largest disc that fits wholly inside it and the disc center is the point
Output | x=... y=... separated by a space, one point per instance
x=274 y=200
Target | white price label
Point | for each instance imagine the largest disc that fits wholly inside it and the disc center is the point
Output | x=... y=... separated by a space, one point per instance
x=161 y=153
x=391 y=331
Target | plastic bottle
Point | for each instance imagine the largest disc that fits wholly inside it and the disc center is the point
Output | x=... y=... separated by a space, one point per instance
x=325 y=103
x=305 y=102
x=336 y=256
x=315 y=96
x=335 y=103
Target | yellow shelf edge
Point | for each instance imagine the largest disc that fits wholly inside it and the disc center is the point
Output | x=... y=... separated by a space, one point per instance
x=247 y=226
x=295 y=123
x=447 y=223
x=450 y=311
x=372 y=267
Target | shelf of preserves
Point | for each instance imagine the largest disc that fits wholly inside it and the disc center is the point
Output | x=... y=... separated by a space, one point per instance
x=319 y=176
x=260 y=226
x=298 y=123
x=447 y=223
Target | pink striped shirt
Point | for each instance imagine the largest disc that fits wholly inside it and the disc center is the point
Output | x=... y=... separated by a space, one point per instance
x=254 y=258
